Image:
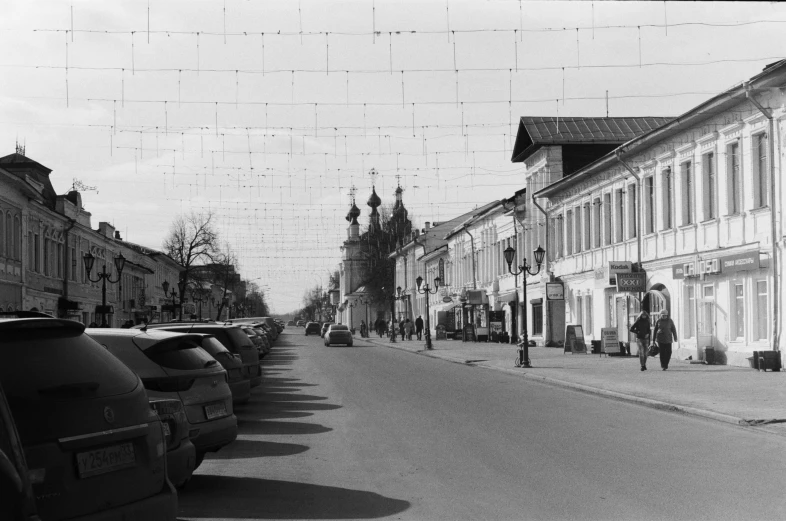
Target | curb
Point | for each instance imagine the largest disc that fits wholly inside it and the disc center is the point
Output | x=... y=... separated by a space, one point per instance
x=597 y=391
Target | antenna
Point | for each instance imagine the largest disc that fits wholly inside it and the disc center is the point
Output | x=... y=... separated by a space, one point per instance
x=20 y=149
x=79 y=186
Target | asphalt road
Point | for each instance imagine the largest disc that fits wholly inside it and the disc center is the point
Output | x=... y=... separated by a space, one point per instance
x=370 y=432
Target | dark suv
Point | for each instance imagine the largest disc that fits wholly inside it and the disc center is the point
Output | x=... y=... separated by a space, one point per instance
x=233 y=338
x=94 y=447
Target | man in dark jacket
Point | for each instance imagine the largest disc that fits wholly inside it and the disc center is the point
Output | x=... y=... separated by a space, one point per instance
x=419 y=326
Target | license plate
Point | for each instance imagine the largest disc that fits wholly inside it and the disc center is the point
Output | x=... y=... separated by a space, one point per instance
x=167 y=432
x=215 y=410
x=107 y=459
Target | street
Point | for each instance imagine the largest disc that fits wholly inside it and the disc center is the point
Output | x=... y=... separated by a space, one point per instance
x=373 y=432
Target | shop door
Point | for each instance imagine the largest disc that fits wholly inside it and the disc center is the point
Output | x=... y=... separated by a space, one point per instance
x=706 y=319
x=621 y=316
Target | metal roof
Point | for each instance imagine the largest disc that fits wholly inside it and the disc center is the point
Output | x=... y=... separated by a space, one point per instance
x=535 y=132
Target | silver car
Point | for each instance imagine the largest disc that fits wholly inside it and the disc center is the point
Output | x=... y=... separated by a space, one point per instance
x=338 y=334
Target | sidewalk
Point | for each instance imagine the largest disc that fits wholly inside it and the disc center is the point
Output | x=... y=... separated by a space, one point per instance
x=718 y=392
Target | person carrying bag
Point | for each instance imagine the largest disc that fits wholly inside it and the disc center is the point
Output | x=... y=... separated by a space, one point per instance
x=641 y=328
x=665 y=334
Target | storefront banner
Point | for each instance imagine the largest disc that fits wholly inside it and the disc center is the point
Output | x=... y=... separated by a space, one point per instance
x=740 y=262
x=555 y=291
x=632 y=282
x=477 y=297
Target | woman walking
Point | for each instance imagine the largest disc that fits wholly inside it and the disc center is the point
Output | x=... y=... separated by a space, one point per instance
x=665 y=334
x=641 y=328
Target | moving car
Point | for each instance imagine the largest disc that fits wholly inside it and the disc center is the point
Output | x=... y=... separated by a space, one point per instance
x=93 y=446
x=313 y=327
x=301 y=323
x=338 y=334
x=172 y=365
x=324 y=329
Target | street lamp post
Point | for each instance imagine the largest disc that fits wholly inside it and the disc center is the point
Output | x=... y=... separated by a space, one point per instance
x=103 y=276
x=424 y=289
x=350 y=306
x=165 y=287
x=393 y=298
x=510 y=253
x=196 y=296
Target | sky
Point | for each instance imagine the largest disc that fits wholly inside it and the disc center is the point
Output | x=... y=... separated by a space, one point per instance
x=266 y=113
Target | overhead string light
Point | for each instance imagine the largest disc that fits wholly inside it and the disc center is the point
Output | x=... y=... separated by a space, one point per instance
x=639 y=29
x=225 y=22
x=373 y=22
x=263 y=53
x=148 y=22
x=237 y=86
x=578 y=52
x=179 y=72
x=402 y=90
x=300 y=18
x=390 y=36
x=516 y=51
x=132 y=53
x=197 y=49
x=327 y=55
x=447 y=17
x=66 y=67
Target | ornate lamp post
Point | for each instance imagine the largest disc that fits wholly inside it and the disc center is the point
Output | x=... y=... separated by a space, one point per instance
x=393 y=298
x=349 y=308
x=510 y=253
x=165 y=287
x=197 y=296
x=103 y=276
x=424 y=289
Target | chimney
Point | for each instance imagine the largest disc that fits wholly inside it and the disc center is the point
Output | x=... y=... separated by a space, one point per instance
x=428 y=225
x=106 y=229
x=117 y=236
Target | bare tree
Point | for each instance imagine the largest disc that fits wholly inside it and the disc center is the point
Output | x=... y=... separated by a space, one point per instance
x=224 y=274
x=192 y=241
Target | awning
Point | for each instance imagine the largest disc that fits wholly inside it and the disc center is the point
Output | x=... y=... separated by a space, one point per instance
x=508 y=297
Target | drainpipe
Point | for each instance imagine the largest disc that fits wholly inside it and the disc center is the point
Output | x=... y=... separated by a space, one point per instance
x=547 y=315
x=776 y=285
x=66 y=260
x=474 y=272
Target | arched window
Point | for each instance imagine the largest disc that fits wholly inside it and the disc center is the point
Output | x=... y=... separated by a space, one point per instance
x=2 y=234
x=17 y=238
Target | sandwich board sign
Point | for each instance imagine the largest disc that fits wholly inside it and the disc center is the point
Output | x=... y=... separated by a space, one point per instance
x=574 y=339
x=609 y=341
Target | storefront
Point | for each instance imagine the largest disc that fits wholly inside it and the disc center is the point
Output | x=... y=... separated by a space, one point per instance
x=476 y=310
x=10 y=296
x=725 y=307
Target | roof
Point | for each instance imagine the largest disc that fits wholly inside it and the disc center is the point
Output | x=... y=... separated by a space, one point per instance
x=473 y=216
x=535 y=132
x=773 y=75
x=18 y=160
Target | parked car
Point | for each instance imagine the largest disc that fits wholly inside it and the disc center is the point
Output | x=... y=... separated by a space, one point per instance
x=172 y=365
x=180 y=452
x=232 y=363
x=93 y=446
x=338 y=334
x=233 y=338
x=291 y=323
x=16 y=494
x=324 y=329
x=256 y=338
x=313 y=327
x=301 y=323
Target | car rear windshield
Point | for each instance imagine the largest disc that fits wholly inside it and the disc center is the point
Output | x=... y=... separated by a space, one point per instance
x=239 y=337
x=339 y=327
x=180 y=354
x=214 y=347
x=60 y=364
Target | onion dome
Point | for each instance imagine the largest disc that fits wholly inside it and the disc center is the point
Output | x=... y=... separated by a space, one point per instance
x=353 y=214
x=374 y=201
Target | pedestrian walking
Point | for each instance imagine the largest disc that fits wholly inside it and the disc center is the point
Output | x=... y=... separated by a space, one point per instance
x=401 y=331
x=419 y=326
x=410 y=328
x=665 y=334
x=363 y=329
x=641 y=328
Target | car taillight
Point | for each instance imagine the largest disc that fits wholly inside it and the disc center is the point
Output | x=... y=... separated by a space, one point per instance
x=168 y=384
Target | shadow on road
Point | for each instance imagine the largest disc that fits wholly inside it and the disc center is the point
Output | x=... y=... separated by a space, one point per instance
x=279 y=427
x=240 y=449
x=272 y=398
x=277 y=499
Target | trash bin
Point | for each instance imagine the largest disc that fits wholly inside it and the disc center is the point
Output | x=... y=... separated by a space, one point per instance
x=595 y=347
x=709 y=355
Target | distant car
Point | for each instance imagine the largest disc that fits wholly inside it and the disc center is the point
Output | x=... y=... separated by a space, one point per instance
x=301 y=323
x=291 y=323
x=313 y=327
x=172 y=365
x=94 y=446
x=324 y=329
x=338 y=334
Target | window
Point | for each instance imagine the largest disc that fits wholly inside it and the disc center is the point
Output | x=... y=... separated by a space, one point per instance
x=2 y=236
x=560 y=236
x=687 y=192
x=710 y=186
x=577 y=215
x=73 y=264
x=607 y=218
x=587 y=227
x=569 y=232
x=668 y=199
x=59 y=268
x=9 y=238
x=760 y=178
x=733 y=179
x=619 y=215
x=596 y=219
x=738 y=312
x=537 y=318
x=588 y=315
x=633 y=212
x=36 y=254
x=46 y=257
x=690 y=312
x=30 y=256
x=649 y=205
x=762 y=331
x=580 y=310
x=17 y=238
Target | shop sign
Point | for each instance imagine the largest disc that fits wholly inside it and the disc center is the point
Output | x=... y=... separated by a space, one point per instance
x=442 y=270
x=475 y=297
x=632 y=282
x=555 y=291
x=446 y=299
x=615 y=267
x=740 y=262
x=609 y=341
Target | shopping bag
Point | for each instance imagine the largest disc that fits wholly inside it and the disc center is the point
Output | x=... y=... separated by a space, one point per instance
x=653 y=350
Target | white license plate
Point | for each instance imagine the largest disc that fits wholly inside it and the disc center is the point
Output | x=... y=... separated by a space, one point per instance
x=167 y=432
x=215 y=410
x=107 y=459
